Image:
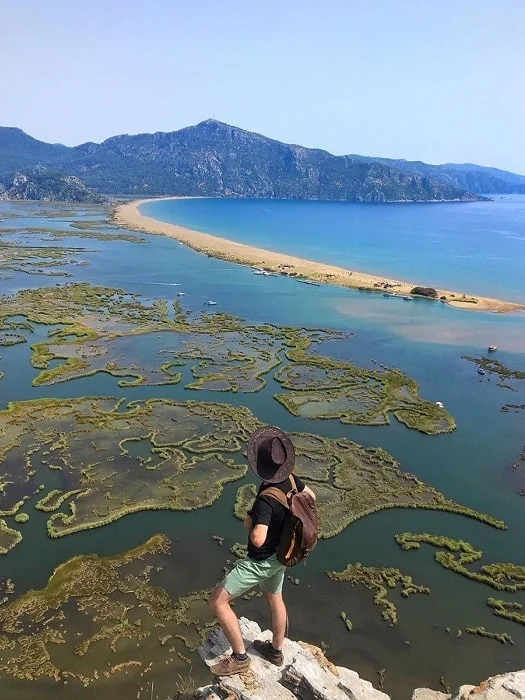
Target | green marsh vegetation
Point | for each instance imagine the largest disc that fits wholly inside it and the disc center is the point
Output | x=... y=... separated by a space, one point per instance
x=458 y=556
x=321 y=387
x=502 y=637
x=153 y=455
x=225 y=354
x=510 y=610
x=494 y=366
x=160 y=454
x=35 y=260
x=101 y=617
x=379 y=580
x=9 y=538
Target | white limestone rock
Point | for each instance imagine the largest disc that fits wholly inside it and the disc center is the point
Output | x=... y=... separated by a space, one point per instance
x=305 y=667
x=427 y=694
x=307 y=673
x=507 y=686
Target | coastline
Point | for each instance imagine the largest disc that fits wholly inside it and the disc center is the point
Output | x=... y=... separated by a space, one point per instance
x=128 y=216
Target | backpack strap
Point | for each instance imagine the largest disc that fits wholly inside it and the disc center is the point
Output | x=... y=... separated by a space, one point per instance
x=278 y=495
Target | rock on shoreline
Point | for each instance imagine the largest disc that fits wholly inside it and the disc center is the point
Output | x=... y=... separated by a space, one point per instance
x=307 y=669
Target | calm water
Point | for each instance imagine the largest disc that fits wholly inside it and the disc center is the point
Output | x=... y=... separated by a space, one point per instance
x=472 y=465
x=477 y=247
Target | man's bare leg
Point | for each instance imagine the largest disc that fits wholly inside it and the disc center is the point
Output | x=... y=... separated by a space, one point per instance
x=219 y=602
x=279 y=618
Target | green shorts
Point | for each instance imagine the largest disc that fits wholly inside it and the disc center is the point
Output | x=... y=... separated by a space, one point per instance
x=247 y=573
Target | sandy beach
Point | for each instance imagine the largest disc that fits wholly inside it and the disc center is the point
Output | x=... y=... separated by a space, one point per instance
x=129 y=216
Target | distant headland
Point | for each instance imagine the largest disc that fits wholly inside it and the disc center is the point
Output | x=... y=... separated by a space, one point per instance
x=129 y=216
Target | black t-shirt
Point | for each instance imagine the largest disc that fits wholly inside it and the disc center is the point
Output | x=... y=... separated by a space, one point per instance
x=267 y=511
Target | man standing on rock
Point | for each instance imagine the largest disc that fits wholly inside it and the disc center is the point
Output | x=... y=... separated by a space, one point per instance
x=271 y=455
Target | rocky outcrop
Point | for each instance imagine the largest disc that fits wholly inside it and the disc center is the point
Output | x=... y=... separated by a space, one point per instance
x=308 y=674
x=305 y=668
x=508 y=686
x=47 y=186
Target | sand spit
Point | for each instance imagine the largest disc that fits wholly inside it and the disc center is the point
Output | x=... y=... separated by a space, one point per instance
x=129 y=216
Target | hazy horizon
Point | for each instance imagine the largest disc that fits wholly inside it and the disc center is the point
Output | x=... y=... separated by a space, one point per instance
x=439 y=82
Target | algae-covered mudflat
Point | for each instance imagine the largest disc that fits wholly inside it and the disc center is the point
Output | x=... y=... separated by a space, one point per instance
x=126 y=404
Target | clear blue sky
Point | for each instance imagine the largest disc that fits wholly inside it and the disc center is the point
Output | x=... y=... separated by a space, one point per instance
x=436 y=80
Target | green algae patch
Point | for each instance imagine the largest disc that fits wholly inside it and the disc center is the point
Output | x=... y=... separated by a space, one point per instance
x=9 y=538
x=510 y=610
x=352 y=481
x=152 y=455
x=239 y=550
x=501 y=637
x=457 y=555
x=379 y=580
x=100 y=619
x=22 y=518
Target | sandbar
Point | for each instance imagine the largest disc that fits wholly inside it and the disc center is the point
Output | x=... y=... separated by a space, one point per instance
x=129 y=216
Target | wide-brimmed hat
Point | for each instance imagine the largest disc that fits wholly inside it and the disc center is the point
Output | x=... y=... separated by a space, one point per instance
x=271 y=454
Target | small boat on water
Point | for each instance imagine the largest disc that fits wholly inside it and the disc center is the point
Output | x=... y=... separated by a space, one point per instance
x=440 y=404
x=492 y=348
x=211 y=303
x=310 y=282
x=481 y=370
x=181 y=294
x=408 y=298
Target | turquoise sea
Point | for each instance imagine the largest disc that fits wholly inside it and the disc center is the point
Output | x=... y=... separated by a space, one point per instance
x=473 y=465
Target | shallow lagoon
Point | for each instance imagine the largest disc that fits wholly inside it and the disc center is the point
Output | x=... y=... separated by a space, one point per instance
x=472 y=465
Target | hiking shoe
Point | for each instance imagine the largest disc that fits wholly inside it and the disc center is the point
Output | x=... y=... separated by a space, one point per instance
x=230 y=666
x=267 y=651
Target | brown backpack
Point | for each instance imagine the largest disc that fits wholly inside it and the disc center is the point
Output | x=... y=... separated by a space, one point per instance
x=301 y=524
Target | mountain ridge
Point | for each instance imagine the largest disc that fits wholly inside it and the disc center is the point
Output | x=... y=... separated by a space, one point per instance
x=213 y=158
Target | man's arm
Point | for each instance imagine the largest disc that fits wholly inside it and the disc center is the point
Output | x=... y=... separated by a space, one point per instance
x=257 y=521
x=258 y=535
